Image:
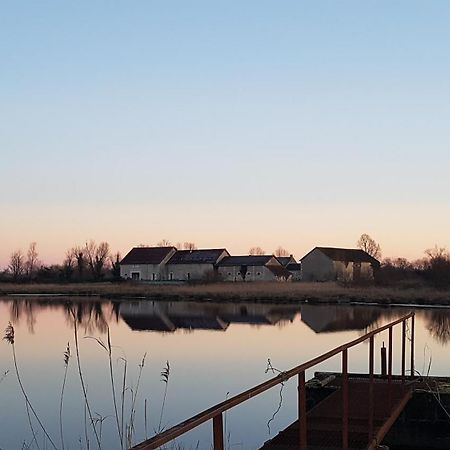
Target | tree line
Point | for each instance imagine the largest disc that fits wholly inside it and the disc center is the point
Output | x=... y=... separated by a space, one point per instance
x=94 y=261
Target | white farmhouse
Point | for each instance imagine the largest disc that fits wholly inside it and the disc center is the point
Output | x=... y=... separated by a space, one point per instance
x=338 y=264
x=252 y=268
x=146 y=263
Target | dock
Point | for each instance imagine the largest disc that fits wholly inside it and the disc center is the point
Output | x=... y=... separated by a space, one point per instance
x=343 y=410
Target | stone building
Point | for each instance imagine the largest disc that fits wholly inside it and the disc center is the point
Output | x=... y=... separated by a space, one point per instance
x=338 y=264
x=146 y=263
x=252 y=268
x=188 y=265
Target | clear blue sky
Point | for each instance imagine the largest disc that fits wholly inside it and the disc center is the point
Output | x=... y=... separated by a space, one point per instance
x=310 y=122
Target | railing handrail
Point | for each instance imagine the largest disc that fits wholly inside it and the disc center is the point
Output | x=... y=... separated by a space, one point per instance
x=210 y=413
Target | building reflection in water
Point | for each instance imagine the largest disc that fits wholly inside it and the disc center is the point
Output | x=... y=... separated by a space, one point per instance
x=172 y=316
x=168 y=317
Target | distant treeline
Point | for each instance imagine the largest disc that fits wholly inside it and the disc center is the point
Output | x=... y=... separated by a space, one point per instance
x=89 y=262
x=433 y=269
x=94 y=262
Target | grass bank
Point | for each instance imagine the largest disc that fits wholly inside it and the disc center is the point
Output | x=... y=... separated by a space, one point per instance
x=235 y=292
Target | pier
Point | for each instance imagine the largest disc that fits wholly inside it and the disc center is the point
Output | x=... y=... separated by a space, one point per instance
x=335 y=411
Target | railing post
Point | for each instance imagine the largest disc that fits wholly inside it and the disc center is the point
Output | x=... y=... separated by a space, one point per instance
x=390 y=355
x=412 y=346
x=302 y=410
x=218 y=431
x=344 y=399
x=371 y=380
x=371 y=357
x=403 y=349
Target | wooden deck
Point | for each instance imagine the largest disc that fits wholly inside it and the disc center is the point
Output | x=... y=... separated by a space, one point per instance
x=373 y=407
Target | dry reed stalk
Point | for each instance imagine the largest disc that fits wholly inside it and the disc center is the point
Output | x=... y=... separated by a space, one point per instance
x=10 y=338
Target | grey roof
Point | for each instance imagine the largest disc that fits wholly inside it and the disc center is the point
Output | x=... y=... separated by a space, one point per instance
x=285 y=260
x=346 y=254
x=206 y=256
x=146 y=255
x=247 y=260
x=294 y=267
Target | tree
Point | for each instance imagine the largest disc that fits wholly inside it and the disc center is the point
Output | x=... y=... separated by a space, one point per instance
x=32 y=260
x=164 y=243
x=256 y=251
x=366 y=243
x=115 y=266
x=68 y=265
x=189 y=246
x=76 y=256
x=280 y=251
x=17 y=264
x=437 y=267
x=97 y=256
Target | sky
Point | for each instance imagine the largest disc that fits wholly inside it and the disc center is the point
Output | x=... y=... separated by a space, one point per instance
x=229 y=124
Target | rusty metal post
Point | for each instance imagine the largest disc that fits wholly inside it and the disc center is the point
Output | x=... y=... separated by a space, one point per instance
x=371 y=380
x=218 y=432
x=371 y=356
x=345 y=399
x=383 y=361
x=403 y=349
x=412 y=346
x=390 y=355
x=302 y=410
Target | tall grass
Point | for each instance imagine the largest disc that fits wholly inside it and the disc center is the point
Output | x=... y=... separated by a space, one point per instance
x=10 y=338
x=124 y=407
x=261 y=291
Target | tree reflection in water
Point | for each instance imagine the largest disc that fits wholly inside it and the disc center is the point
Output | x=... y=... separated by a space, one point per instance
x=92 y=316
x=438 y=324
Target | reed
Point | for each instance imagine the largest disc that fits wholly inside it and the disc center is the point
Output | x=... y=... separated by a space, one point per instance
x=235 y=292
x=10 y=338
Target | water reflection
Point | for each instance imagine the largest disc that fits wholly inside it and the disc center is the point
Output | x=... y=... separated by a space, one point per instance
x=332 y=318
x=95 y=315
x=172 y=316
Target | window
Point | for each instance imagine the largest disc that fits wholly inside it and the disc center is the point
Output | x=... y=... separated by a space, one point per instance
x=135 y=276
x=153 y=276
x=239 y=273
x=171 y=276
x=188 y=276
x=229 y=273
x=258 y=274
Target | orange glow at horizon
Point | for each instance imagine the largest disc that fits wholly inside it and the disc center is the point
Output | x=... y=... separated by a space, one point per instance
x=404 y=231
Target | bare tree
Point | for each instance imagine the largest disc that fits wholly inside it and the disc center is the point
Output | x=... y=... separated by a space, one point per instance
x=280 y=251
x=366 y=243
x=68 y=264
x=76 y=257
x=256 y=251
x=32 y=259
x=164 y=243
x=189 y=246
x=17 y=264
x=115 y=266
x=97 y=257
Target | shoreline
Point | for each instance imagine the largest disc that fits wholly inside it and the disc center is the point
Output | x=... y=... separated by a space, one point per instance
x=283 y=293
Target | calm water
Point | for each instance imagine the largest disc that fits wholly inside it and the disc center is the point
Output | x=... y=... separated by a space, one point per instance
x=214 y=351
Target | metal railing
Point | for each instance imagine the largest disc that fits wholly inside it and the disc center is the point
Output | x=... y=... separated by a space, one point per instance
x=215 y=413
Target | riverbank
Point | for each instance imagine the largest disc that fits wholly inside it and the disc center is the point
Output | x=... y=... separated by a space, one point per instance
x=237 y=292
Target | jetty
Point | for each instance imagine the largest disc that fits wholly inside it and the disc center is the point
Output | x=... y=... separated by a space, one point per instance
x=348 y=411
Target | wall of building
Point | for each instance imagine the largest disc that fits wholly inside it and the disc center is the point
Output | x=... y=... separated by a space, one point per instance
x=254 y=273
x=317 y=267
x=349 y=271
x=148 y=272
x=186 y=272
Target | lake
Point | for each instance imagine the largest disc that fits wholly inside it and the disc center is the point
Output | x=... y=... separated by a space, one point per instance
x=214 y=351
